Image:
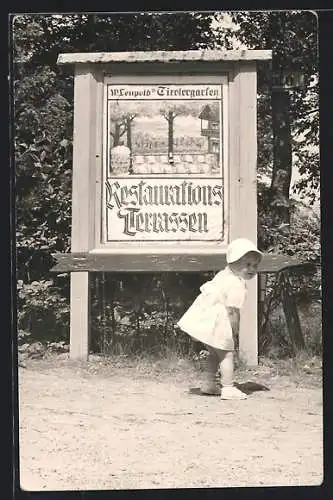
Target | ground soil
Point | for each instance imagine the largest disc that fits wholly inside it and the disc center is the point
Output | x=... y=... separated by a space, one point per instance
x=115 y=424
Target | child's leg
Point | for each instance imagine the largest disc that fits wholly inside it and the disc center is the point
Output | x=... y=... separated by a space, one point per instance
x=227 y=368
x=210 y=365
x=229 y=391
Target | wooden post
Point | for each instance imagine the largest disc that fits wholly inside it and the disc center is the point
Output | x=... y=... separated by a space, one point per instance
x=80 y=316
x=83 y=205
x=243 y=191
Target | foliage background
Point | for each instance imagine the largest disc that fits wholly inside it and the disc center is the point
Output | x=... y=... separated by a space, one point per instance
x=134 y=313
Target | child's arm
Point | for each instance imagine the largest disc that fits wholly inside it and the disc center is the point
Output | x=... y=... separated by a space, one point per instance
x=234 y=318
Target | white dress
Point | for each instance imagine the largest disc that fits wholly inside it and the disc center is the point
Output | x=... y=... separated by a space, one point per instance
x=207 y=319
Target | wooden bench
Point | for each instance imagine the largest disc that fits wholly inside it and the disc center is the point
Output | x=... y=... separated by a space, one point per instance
x=275 y=264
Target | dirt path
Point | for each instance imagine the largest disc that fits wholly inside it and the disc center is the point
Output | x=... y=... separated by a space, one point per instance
x=96 y=427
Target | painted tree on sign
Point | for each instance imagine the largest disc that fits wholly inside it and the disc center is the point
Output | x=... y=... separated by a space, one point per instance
x=170 y=110
x=121 y=116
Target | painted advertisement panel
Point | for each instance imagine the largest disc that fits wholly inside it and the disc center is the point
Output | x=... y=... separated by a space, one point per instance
x=164 y=165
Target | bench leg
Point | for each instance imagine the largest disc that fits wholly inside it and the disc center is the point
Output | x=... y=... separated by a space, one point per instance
x=291 y=313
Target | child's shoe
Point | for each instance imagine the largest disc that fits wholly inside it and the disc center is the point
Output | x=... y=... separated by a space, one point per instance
x=210 y=388
x=231 y=392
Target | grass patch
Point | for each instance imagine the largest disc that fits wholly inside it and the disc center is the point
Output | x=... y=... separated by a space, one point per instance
x=304 y=370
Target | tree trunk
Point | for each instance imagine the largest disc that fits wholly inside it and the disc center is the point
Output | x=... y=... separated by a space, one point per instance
x=116 y=135
x=282 y=154
x=129 y=142
x=129 y=133
x=170 y=136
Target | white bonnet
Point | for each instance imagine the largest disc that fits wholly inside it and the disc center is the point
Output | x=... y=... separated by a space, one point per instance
x=239 y=247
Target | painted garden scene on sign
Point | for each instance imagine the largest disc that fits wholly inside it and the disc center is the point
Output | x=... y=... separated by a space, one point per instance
x=165 y=129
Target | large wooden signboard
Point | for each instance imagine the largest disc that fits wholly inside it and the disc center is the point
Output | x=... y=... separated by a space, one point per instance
x=164 y=168
x=165 y=160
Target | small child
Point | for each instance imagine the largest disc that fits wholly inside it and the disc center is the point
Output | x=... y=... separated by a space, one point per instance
x=213 y=318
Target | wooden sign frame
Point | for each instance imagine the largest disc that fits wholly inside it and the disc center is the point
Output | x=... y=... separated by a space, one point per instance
x=92 y=70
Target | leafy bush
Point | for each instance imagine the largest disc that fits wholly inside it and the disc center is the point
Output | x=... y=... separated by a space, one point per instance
x=42 y=311
x=300 y=239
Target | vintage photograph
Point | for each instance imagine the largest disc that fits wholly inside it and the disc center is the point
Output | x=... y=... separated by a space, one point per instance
x=168 y=250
